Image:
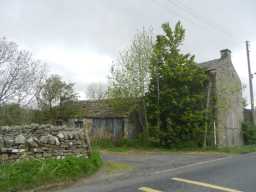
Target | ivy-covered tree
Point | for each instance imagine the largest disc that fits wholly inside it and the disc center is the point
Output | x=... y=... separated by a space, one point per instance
x=176 y=98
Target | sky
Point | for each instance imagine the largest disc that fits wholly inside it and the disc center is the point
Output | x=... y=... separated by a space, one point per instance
x=79 y=39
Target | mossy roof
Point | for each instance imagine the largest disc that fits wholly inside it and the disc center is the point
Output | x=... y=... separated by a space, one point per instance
x=101 y=109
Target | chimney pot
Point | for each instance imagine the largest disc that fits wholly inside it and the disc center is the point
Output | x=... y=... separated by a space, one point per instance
x=225 y=53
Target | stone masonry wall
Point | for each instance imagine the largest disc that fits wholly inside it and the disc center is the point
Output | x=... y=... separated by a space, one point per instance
x=41 y=141
x=229 y=105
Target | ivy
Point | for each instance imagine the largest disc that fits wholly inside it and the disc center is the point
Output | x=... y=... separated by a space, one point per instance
x=176 y=99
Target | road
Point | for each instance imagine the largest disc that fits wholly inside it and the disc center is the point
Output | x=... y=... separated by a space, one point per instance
x=209 y=174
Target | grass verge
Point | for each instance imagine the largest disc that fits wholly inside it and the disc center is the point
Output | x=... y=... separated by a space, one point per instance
x=112 y=167
x=238 y=150
x=122 y=145
x=131 y=145
x=29 y=174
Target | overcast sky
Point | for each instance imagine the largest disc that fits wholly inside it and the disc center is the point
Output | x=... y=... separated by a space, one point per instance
x=79 y=39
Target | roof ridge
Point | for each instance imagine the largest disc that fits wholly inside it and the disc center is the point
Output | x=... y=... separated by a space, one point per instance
x=210 y=61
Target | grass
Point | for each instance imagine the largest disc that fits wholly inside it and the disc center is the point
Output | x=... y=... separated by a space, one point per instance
x=28 y=174
x=131 y=145
x=112 y=167
x=238 y=150
x=122 y=145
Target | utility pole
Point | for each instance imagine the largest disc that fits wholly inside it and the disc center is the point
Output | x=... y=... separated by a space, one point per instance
x=250 y=80
x=158 y=96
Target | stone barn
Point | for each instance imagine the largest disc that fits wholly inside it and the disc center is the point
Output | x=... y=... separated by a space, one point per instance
x=226 y=103
x=104 y=122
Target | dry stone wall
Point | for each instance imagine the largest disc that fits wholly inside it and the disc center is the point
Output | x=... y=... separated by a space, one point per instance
x=41 y=141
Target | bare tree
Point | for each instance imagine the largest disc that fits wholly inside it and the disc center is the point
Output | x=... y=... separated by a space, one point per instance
x=96 y=91
x=20 y=74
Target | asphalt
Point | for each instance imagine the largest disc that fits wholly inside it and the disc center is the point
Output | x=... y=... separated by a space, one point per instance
x=157 y=172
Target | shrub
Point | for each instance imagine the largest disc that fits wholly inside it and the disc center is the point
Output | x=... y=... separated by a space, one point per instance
x=249 y=133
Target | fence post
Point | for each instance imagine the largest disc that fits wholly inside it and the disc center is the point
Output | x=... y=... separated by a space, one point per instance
x=87 y=138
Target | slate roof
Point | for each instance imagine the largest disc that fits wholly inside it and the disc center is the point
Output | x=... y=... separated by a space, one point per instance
x=211 y=65
x=101 y=109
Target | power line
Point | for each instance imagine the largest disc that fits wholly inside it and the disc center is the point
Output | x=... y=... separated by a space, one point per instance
x=206 y=21
x=172 y=11
x=196 y=19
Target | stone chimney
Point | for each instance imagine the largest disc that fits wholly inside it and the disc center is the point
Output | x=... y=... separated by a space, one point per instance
x=225 y=53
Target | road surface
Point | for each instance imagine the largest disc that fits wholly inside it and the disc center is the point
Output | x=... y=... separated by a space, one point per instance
x=214 y=174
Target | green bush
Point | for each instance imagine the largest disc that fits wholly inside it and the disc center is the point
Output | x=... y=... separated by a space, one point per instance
x=249 y=133
x=28 y=174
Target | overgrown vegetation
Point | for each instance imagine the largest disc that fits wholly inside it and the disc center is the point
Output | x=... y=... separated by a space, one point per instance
x=165 y=87
x=249 y=133
x=29 y=174
x=176 y=98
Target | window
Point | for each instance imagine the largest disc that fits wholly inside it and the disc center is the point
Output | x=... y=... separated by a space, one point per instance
x=79 y=124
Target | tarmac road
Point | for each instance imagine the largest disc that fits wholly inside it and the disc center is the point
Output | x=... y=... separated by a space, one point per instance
x=211 y=174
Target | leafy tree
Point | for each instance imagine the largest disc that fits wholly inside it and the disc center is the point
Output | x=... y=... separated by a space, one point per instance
x=176 y=98
x=130 y=77
x=56 y=98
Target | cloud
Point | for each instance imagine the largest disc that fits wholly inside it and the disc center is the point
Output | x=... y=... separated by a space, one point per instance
x=80 y=38
x=75 y=65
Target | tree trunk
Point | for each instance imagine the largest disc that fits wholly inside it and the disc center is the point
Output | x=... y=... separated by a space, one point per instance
x=207 y=111
x=146 y=128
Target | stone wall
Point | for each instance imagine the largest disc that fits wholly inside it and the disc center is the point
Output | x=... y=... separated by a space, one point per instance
x=41 y=141
x=227 y=101
x=229 y=104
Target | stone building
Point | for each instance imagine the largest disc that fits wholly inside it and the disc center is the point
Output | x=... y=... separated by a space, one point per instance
x=225 y=100
x=103 y=121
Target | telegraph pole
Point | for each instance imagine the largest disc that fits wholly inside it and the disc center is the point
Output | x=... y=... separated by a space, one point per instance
x=158 y=96
x=250 y=80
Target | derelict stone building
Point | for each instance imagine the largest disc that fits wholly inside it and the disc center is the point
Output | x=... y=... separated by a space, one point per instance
x=224 y=102
x=105 y=122
x=225 y=91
